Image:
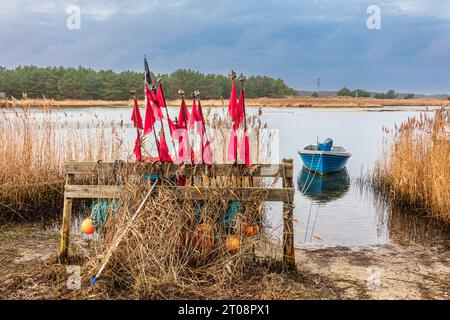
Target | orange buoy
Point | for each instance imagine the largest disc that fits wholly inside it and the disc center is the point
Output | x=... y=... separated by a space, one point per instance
x=251 y=230
x=86 y=226
x=232 y=243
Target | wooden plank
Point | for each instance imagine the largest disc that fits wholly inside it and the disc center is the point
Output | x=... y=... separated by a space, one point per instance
x=93 y=191
x=193 y=193
x=65 y=227
x=288 y=223
x=106 y=168
x=247 y=194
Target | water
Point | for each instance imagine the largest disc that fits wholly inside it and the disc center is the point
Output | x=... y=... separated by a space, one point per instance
x=333 y=210
x=337 y=210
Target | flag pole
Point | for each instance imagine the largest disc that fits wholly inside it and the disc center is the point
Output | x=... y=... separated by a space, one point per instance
x=159 y=80
x=242 y=78
x=233 y=76
x=181 y=93
x=133 y=93
x=147 y=70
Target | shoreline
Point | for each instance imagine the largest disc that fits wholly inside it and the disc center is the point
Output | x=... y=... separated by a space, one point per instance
x=410 y=271
x=291 y=102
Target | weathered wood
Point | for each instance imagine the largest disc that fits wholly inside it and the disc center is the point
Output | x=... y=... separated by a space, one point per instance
x=107 y=168
x=65 y=228
x=93 y=191
x=288 y=222
x=190 y=193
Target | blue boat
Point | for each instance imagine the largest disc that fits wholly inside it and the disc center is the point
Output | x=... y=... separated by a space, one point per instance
x=324 y=158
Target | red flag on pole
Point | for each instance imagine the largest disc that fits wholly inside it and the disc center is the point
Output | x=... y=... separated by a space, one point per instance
x=232 y=147
x=152 y=97
x=232 y=106
x=183 y=115
x=207 y=153
x=160 y=96
x=136 y=116
x=164 y=149
x=137 y=147
x=244 y=149
x=239 y=115
x=149 y=118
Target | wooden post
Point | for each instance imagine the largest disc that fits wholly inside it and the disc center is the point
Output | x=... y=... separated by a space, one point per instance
x=65 y=228
x=288 y=218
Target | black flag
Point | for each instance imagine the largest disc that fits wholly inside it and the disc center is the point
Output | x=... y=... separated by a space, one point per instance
x=148 y=75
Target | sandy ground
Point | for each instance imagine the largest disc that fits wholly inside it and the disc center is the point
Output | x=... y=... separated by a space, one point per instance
x=28 y=269
x=388 y=272
x=290 y=102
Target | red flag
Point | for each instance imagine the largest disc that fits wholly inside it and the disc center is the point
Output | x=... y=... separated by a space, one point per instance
x=200 y=113
x=232 y=106
x=137 y=147
x=239 y=115
x=164 y=149
x=207 y=154
x=195 y=116
x=183 y=116
x=232 y=147
x=172 y=126
x=160 y=97
x=152 y=97
x=149 y=118
x=244 y=150
x=136 y=116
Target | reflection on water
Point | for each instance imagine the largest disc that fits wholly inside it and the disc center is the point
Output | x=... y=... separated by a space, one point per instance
x=323 y=189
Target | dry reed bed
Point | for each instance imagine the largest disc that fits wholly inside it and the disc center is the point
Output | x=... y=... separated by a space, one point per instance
x=414 y=169
x=35 y=146
x=32 y=153
x=295 y=102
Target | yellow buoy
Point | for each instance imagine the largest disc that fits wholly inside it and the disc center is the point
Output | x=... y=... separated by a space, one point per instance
x=86 y=226
x=232 y=243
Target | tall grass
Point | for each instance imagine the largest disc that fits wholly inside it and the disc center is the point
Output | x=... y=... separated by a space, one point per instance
x=414 y=169
x=33 y=149
x=36 y=143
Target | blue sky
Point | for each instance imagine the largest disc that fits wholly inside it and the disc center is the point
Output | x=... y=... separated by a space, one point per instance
x=298 y=41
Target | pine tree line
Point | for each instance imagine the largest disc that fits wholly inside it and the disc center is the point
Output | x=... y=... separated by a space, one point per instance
x=84 y=83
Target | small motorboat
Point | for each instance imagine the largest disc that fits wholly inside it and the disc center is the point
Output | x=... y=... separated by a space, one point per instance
x=324 y=158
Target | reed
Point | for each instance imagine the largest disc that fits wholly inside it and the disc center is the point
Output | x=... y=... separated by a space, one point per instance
x=32 y=153
x=414 y=168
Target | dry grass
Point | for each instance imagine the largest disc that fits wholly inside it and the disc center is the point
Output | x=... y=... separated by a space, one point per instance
x=294 y=102
x=414 y=169
x=33 y=150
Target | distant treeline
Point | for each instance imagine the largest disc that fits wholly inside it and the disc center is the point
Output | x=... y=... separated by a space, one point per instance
x=361 y=93
x=83 y=83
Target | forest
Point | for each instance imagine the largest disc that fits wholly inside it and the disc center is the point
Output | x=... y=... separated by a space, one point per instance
x=84 y=83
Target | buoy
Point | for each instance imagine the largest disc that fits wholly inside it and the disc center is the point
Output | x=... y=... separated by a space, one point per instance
x=86 y=226
x=251 y=230
x=232 y=243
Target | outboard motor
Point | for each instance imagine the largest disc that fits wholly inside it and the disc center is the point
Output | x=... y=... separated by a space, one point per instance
x=326 y=145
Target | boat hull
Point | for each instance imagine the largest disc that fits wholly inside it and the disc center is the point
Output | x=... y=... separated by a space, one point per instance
x=323 y=162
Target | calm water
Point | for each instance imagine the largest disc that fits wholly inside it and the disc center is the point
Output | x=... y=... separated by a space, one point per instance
x=332 y=210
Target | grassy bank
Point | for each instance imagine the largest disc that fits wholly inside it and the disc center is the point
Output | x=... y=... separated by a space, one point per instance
x=414 y=169
x=291 y=102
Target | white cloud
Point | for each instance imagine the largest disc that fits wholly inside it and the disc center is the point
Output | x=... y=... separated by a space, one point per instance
x=417 y=8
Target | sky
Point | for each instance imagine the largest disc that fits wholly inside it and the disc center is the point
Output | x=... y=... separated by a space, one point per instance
x=297 y=41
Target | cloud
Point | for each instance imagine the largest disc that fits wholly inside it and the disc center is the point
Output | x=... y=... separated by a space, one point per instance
x=298 y=41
